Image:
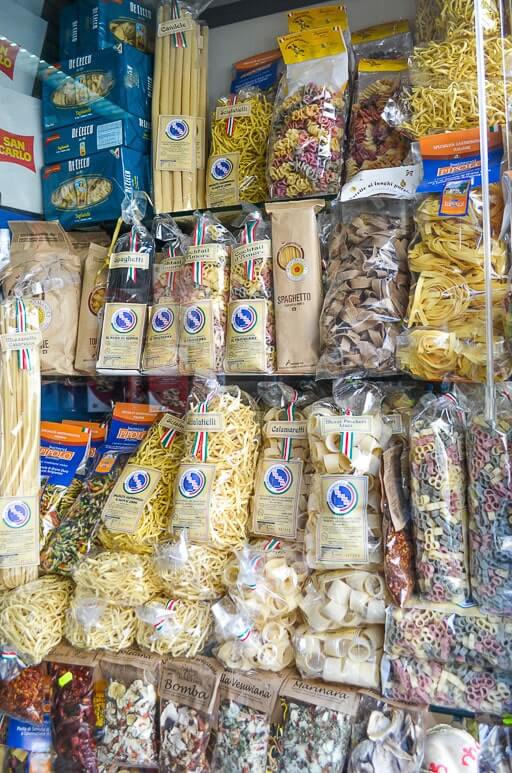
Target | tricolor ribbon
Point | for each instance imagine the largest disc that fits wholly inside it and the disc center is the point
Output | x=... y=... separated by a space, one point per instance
x=180 y=41
x=287 y=444
x=159 y=624
x=272 y=544
x=24 y=356
x=134 y=245
x=244 y=635
x=199 y=237
x=200 y=444
x=248 y=237
x=170 y=279
x=168 y=438
x=230 y=123
x=347 y=441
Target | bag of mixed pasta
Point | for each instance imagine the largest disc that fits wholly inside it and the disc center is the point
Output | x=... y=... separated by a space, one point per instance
x=215 y=478
x=188 y=694
x=251 y=346
x=91 y=308
x=128 y=293
x=393 y=40
x=347 y=436
x=240 y=128
x=308 y=125
x=204 y=298
x=130 y=734
x=28 y=696
x=44 y=269
x=368 y=288
x=248 y=706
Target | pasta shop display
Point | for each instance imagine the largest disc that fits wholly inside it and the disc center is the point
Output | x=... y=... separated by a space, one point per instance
x=438 y=498
x=175 y=627
x=368 y=288
x=347 y=436
x=20 y=405
x=342 y=598
x=250 y=345
x=221 y=445
x=27 y=697
x=205 y=293
x=306 y=141
x=94 y=624
x=240 y=128
x=191 y=571
x=117 y=577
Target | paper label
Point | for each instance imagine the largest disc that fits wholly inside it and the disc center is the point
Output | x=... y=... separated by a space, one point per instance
x=327 y=15
x=225 y=112
x=172 y=422
x=204 y=422
x=108 y=135
x=320 y=694
x=175 y=26
x=177 y=143
x=277 y=498
x=122 y=336
x=396 y=422
x=197 y=345
x=284 y=429
x=311 y=44
x=223 y=181
x=392 y=484
x=342 y=528
x=169 y=265
x=398 y=183
x=380 y=31
x=133 y=490
x=382 y=65
x=261 y=250
x=161 y=347
x=329 y=424
x=129 y=260
x=19 y=532
x=246 y=336
x=192 y=501
x=11 y=342
x=191 y=683
x=204 y=253
x=257 y=691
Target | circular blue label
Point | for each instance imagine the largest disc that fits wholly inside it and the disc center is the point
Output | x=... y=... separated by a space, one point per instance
x=342 y=498
x=244 y=319
x=124 y=320
x=221 y=169
x=192 y=483
x=137 y=482
x=16 y=514
x=177 y=129
x=194 y=320
x=163 y=320
x=278 y=479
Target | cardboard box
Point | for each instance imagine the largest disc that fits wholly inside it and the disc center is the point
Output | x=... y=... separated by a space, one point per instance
x=91 y=189
x=84 y=139
x=103 y=23
x=22 y=36
x=108 y=84
x=21 y=152
x=69 y=26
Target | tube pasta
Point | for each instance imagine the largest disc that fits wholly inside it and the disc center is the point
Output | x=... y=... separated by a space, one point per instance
x=192 y=572
x=179 y=628
x=344 y=598
x=120 y=578
x=93 y=624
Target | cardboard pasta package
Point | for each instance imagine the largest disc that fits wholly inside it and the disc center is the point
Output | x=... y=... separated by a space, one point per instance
x=92 y=301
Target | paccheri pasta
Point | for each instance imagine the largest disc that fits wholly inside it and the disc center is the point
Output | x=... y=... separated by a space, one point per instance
x=348 y=597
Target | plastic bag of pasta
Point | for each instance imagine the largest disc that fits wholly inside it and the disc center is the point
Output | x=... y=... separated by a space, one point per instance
x=176 y=627
x=438 y=498
x=306 y=141
x=240 y=128
x=96 y=624
x=191 y=571
x=495 y=744
x=393 y=40
x=283 y=475
x=204 y=298
x=368 y=288
x=251 y=344
x=347 y=436
x=215 y=478
x=343 y=598
x=117 y=577
x=136 y=513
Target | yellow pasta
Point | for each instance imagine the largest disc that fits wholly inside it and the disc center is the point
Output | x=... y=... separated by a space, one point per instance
x=179 y=628
x=193 y=572
x=117 y=577
x=93 y=624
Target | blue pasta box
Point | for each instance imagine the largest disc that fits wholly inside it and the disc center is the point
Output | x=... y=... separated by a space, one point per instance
x=69 y=21
x=91 y=189
x=103 y=23
x=108 y=84
x=90 y=137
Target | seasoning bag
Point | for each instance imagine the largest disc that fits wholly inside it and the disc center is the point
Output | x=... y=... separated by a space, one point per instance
x=298 y=284
x=283 y=474
x=342 y=598
x=188 y=695
x=128 y=294
x=205 y=292
x=117 y=577
x=347 y=436
x=393 y=40
x=317 y=725
x=27 y=697
x=44 y=270
x=130 y=732
x=305 y=152
x=221 y=446
x=64 y=453
x=247 y=706
x=91 y=307
x=191 y=571
x=177 y=627
x=96 y=624
x=251 y=325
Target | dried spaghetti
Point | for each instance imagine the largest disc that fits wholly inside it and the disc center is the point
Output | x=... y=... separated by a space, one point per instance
x=179 y=628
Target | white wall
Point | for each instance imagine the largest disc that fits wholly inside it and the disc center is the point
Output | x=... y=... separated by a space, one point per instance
x=237 y=41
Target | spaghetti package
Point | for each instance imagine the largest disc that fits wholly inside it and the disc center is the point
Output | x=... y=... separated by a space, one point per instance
x=44 y=270
x=251 y=345
x=128 y=294
x=306 y=141
x=97 y=624
x=347 y=436
x=64 y=453
x=438 y=498
x=343 y=598
x=191 y=571
x=188 y=694
x=240 y=128
x=215 y=478
x=20 y=405
x=91 y=306
x=116 y=577
x=367 y=288
x=137 y=511
x=176 y=627
x=130 y=734
x=283 y=475
x=27 y=697
x=205 y=292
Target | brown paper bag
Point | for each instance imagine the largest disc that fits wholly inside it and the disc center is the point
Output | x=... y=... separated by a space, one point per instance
x=92 y=301
x=80 y=241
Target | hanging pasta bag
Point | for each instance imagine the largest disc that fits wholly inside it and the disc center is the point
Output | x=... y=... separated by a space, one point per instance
x=191 y=571
x=176 y=627
x=97 y=624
